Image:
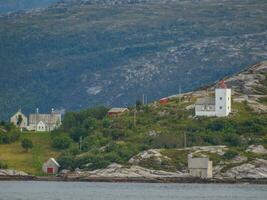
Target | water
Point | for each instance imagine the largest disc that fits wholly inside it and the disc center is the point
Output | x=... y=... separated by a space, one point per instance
x=128 y=191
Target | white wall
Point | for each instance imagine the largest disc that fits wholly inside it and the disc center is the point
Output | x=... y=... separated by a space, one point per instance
x=199 y=111
x=41 y=127
x=222 y=102
x=15 y=117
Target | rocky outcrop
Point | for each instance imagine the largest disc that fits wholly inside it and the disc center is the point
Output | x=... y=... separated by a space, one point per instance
x=256 y=170
x=11 y=172
x=257 y=149
x=118 y=171
x=220 y=149
x=153 y=154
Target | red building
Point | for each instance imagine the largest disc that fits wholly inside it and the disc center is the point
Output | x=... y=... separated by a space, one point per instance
x=164 y=101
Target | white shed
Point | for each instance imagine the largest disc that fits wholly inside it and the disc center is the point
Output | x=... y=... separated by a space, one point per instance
x=200 y=167
x=51 y=166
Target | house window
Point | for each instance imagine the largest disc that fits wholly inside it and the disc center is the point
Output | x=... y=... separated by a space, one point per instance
x=220 y=98
x=220 y=107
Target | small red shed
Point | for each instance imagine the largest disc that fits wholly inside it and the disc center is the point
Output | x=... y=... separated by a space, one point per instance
x=51 y=166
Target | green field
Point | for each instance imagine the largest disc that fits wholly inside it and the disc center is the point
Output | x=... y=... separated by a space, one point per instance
x=17 y=158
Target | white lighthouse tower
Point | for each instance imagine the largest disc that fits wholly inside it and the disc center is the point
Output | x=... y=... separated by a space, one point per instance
x=222 y=100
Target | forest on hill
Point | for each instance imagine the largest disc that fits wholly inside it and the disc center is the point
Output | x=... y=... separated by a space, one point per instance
x=110 y=52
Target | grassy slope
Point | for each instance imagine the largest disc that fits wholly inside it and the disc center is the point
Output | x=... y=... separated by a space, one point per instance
x=16 y=157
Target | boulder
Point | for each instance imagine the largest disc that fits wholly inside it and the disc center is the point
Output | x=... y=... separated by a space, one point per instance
x=149 y=154
x=256 y=149
x=239 y=159
x=11 y=172
x=256 y=169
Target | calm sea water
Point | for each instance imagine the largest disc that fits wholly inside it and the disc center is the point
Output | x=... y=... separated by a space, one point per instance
x=128 y=191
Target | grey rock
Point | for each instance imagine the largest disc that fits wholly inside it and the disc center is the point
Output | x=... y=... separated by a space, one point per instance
x=11 y=172
x=257 y=149
x=256 y=169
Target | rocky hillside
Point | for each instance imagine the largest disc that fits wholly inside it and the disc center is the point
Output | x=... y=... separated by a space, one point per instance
x=78 y=54
x=23 y=5
x=249 y=85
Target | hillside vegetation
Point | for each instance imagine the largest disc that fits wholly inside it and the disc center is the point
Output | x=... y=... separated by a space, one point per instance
x=89 y=139
x=18 y=5
x=109 y=52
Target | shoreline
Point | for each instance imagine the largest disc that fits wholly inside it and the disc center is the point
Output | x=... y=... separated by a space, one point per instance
x=135 y=180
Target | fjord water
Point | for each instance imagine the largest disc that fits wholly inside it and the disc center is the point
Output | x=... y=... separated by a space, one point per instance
x=131 y=191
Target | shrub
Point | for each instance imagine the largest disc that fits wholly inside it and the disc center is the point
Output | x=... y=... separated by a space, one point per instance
x=76 y=133
x=3 y=165
x=168 y=141
x=232 y=140
x=26 y=144
x=66 y=162
x=230 y=154
x=93 y=141
x=10 y=137
x=62 y=142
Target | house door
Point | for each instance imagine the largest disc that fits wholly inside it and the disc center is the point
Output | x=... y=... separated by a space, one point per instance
x=50 y=170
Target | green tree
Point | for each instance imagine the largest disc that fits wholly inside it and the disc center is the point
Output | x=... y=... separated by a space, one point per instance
x=61 y=142
x=3 y=165
x=26 y=144
x=138 y=104
x=19 y=120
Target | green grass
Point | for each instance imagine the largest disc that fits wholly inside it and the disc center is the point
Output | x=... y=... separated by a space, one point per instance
x=31 y=162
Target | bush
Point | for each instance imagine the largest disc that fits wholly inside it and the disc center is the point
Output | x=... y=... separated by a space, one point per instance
x=10 y=137
x=230 y=154
x=66 y=162
x=76 y=133
x=232 y=140
x=62 y=142
x=26 y=144
x=168 y=141
x=94 y=141
x=3 y=165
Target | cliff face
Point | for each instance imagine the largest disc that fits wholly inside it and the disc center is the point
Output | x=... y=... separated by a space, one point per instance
x=78 y=54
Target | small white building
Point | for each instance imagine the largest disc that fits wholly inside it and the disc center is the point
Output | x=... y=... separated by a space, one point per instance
x=200 y=167
x=15 y=119
x=51 y=166
x=219 y=106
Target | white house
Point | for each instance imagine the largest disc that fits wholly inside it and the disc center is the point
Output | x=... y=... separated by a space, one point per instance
x=41 y=127
x=200 y=167
x=51 y=166
x=15 y=119
x=219 y=106
x=44 y=122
